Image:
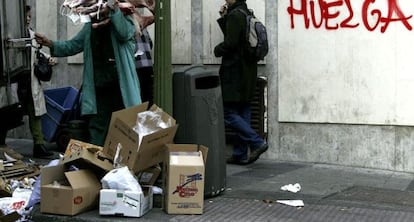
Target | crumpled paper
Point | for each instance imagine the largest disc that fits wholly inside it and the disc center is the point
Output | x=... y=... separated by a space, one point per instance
x=293 y=203
x=294 y=188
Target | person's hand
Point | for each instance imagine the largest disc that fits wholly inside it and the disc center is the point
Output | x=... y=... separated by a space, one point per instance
x=42 y=40
x=223 y=10
x=52 y=61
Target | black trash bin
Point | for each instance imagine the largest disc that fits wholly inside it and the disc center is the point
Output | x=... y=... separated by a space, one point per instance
x=198 y=109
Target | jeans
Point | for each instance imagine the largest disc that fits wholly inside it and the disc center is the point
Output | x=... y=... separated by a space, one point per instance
x=237 y=117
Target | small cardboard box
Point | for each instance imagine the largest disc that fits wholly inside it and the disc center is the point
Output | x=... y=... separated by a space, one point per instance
x=127 y=203
x=77 y=191
x=88 y=158
x=11 y=217
x=149 y=176
x=74 y=146
x=184 y=178
x=134 y=155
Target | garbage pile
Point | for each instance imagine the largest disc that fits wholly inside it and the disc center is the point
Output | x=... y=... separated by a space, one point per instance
x=18 y=180
x=120 y=178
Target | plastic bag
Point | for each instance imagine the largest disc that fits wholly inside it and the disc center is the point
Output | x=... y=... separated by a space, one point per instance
x=120 y=179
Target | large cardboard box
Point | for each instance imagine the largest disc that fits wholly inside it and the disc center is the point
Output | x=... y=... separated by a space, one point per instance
x=184 y=178
x=134 y=155
x=127 y=203
x=68 y=193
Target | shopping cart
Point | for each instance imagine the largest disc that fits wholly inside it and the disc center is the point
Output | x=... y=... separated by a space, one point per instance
x=62 y=121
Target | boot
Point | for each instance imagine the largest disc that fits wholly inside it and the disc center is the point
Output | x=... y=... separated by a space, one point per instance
x=40 y=151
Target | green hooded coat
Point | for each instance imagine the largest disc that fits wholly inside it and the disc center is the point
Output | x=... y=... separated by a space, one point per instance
x=123 y=41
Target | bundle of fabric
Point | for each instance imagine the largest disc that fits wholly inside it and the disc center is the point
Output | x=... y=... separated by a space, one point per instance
x=97 y=11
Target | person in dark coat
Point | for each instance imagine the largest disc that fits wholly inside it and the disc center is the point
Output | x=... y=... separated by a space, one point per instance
x=238 y=75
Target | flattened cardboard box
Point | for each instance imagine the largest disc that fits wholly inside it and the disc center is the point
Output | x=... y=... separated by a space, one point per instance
x=184 y=169
x=127 y=203
x=150 y=151
x=88 y=157
x=78 y=190
x=75 y=146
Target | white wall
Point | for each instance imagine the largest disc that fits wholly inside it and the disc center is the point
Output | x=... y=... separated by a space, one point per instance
x=346 y=75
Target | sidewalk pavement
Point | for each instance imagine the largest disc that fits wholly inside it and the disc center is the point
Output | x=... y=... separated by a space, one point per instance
x=329 y=192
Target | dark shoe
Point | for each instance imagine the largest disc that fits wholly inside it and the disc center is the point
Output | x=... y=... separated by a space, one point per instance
x=257 y=151
x=237 y=161
x=40 y=151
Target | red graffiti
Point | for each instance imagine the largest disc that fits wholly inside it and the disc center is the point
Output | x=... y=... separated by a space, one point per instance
x=327 y=14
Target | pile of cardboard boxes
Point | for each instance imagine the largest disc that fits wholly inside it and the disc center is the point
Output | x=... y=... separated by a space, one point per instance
x=73 y=186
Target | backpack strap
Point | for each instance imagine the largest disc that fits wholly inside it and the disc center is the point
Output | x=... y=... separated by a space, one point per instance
x=247 y=23
x=248 y=13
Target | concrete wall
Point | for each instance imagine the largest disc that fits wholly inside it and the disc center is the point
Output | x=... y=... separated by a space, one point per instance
x=310 y=135
x=384 y=147
x=373 y=146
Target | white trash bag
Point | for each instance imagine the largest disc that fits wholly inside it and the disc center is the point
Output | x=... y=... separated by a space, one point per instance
x=120 y=179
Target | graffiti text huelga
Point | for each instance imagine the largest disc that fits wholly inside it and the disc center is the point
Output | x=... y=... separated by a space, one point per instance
x=322 y=14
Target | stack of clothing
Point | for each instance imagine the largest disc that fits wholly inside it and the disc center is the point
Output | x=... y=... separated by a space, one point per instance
x=97 y=11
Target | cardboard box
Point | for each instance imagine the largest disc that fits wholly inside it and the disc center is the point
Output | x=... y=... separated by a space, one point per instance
x=11 y=217
x=77 y=191
x=134 y=155
x=88 y=158
x=149 y=176
x=184 y=178
x=125 y=202
x=75 y=146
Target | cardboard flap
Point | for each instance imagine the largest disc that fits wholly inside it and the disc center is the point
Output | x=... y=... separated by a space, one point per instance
x=126 y=130
x=75 y=146
x=164 y=116
x=52 y=173
x=89 y=158
x=185 y=158
x=163 y=136
x=129 y=115
x=188 y=148
x=81 y=178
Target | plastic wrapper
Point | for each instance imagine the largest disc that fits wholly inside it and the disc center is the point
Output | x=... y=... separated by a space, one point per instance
x=120 y=179
x=9 y=205
x=149 y=122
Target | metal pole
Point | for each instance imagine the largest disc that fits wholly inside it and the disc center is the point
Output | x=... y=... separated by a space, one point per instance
x=162 y=62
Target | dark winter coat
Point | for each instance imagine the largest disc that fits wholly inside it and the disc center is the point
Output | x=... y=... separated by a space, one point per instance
x=237 y=73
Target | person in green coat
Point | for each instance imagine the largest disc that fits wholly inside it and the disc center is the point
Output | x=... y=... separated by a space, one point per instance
x=110 y=81
x=238 y=75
